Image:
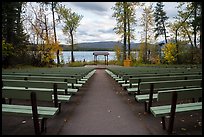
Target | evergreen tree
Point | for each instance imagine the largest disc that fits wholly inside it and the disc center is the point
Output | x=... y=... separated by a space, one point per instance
x=160 y=20
x=12 y=30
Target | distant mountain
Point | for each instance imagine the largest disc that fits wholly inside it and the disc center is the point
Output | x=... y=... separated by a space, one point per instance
x=108 y=45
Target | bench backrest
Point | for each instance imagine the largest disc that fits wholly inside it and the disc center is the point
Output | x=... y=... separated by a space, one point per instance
x=20 y=93
x=181 y=94
x=77 y=76
x=163 y=78
x=33 y=84
x=127 y=77
x=173 y=84
x=40 y=78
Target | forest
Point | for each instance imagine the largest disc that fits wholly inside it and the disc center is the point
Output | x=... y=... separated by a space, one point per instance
x=36 y=43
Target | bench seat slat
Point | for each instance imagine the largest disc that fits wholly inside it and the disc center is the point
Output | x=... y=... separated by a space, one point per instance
x=63 y=98
x=160 y=111
x=126 y=85
x=132 y=89
x=75 y=85
x=145 y=97
x=23 y=110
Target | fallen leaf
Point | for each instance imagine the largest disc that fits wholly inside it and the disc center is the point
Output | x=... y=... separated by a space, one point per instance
x=200 y=123
x=182 y=120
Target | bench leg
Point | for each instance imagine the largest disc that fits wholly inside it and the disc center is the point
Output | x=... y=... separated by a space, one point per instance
x=163 y=123
x=3 y=101
x=36 y=125
x=10 y=100
x=43 y=125
x=59 y=106
x=66 y=92
x=146 y=103
x=200 y=99
x=35 y=113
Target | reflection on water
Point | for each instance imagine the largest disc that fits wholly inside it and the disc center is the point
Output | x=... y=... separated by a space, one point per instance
x=84 y=55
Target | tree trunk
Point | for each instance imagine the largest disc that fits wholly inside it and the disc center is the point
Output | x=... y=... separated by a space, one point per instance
x=164 y=32
x=177 y=57
x=201 y=28
x=46 y=30
x=19 y=18
x=125 y=35
x=53 y=16
x=128 y=37
x=189 y=37
x=194 y=24
x=72 y=47
x=145 y=48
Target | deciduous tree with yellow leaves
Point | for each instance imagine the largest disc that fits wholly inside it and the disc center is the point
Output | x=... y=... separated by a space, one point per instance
x=170 y=53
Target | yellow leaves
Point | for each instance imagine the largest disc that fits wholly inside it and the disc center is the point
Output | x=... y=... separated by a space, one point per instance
x=170 y=52
x=7 y=48
x=118 y=52
x=49 y=49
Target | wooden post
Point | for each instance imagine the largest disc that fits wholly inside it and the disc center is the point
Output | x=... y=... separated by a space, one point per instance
x=55 y=95
x=173 y=110
x=56 y=98
x=163 y=123
x=35 y=113
x=138 y=86
x=65 y=80
x=150 y=96
x=43 y=125
x=107 y=60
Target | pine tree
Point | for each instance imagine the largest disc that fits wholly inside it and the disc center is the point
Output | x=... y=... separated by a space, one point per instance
x=160 y=20
x=12 y=30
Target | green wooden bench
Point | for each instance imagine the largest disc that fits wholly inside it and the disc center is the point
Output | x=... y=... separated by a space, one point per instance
x=34 y=110
x=134 y=85
x=81 y=76
x=61 y=98
x=62 y=87
x=174 y=97
x=71 y=81
x=130 y=81
x=149 y=89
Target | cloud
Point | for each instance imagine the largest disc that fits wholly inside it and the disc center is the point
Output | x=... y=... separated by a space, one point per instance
x=94 y=7
x=170 y=8
x=97 y=23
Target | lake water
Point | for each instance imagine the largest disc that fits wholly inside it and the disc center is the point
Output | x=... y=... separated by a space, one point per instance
x=87 y=55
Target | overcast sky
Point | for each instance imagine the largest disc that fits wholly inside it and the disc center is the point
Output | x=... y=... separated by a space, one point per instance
x=97 y=23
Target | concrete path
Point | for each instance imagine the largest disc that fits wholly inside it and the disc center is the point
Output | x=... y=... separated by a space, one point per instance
x=102 y=112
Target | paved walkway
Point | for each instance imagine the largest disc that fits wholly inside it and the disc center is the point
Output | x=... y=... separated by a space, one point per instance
x=102 y=112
